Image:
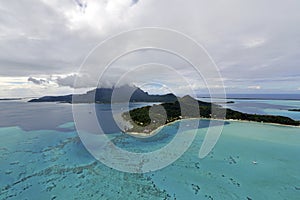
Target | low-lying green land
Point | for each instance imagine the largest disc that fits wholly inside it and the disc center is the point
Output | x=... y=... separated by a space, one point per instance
x=149 y=118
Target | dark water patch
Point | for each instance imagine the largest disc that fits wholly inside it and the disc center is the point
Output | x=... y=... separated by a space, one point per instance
x=35 y=116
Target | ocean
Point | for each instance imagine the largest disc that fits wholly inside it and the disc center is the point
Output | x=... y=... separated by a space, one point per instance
x=262 y=106
x=42 y=157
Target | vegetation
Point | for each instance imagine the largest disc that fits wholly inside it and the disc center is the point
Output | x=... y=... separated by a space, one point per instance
x=149 y=118
x=295 y=110
x=104 y=95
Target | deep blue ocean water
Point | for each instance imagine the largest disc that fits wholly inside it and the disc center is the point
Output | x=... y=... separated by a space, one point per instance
x=42 y=157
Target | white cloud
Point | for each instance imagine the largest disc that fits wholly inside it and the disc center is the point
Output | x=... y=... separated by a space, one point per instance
x=55 y=40
x=21 y=87
x=100 y=16
x=252 y=43
x=256 y=87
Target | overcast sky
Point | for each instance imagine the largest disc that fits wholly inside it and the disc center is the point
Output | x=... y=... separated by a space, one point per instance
x=254 y=43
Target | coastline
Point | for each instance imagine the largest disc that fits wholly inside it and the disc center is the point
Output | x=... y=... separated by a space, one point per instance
x=254 y=98
x=155 y=131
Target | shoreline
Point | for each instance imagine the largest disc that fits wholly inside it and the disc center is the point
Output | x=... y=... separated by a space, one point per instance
x=249 y=98
x=155 y=131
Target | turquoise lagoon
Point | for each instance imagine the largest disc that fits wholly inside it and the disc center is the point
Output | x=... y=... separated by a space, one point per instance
x=40 y=162
x=259 y=106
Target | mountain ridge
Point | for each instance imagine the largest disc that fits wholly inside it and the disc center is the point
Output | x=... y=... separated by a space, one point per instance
x=107 y=95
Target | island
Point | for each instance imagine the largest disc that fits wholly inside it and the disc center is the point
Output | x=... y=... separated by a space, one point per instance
x=141 y=121
x=10 y=99
x=294 y=110
x=224 y=102
x=104 y=95
x=170 y=108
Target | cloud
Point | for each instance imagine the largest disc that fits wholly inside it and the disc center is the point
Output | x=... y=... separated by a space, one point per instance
x=252 y=43
x=82 y=4
x=256 y=87
x=241 y=37
x=82 y=81
x=37 y=81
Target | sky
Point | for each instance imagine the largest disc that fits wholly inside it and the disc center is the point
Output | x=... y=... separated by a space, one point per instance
x=255 y=44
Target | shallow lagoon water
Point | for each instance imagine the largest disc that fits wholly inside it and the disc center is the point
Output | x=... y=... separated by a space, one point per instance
x=269 y=107
x=53 y=164
x=263 y=107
